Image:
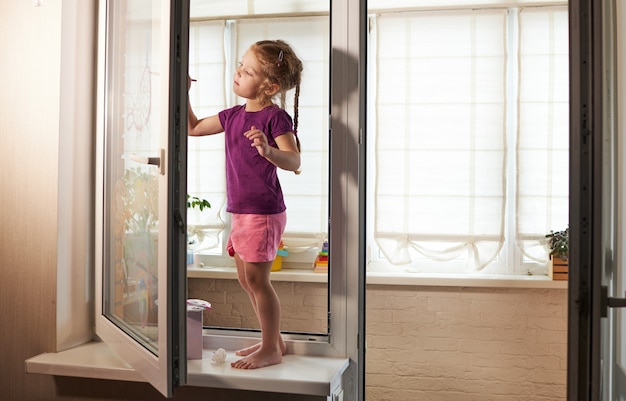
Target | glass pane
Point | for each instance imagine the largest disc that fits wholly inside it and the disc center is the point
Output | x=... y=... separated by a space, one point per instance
x=220 y=33
x=132 y=185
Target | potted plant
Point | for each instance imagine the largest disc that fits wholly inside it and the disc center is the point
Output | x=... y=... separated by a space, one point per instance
x=137 y=194
x=134 y=231
x=194 y=202
x=135 y=228
x=558 y=242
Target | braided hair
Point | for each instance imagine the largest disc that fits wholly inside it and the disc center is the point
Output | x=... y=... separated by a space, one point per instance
x=282 y=67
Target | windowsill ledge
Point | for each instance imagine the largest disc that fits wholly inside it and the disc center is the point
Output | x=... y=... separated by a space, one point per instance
x=386 y=278
x=91 y=360
x=459 y=280
x=294 y=275
x=297 y=374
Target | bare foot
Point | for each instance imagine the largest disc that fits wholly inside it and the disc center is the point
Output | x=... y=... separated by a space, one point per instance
x=259 y=359
x=249 y=350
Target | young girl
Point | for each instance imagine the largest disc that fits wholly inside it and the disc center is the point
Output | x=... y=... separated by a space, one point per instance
x=259 y=138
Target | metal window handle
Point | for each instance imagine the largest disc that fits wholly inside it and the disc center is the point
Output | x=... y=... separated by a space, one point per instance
x=616 y=302
x=155 y=161
x=610 y=302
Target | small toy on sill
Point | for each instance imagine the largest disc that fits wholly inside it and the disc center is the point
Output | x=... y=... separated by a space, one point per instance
x=278 y=262
x=320 y=265
x=219 y=356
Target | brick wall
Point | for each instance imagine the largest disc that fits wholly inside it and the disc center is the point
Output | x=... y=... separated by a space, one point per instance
x=303 y=305
x=465 y=344
x=433 y=343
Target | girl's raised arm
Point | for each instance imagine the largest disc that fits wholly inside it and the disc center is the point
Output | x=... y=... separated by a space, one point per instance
x=206 y=126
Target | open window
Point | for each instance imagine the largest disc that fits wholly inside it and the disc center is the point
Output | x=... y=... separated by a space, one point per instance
x=140 y=236
x=141 y=232
x=219 y=36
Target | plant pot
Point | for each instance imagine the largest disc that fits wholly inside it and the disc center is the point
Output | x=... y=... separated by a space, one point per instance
x=558 y=268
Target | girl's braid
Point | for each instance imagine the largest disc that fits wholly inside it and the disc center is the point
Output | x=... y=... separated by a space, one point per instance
x=296 y=98
x=281 y=66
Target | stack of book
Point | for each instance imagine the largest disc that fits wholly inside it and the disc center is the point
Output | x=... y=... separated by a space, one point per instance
x=320 y=265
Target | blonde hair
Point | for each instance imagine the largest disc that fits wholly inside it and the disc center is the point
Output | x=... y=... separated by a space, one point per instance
x=280 y=66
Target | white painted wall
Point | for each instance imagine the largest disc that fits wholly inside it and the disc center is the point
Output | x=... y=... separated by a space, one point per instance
x=76 y=174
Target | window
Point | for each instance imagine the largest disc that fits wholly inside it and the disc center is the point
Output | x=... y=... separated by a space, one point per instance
x=467 y=136
x=164 y=361
x=467 y=139
x=306 y=195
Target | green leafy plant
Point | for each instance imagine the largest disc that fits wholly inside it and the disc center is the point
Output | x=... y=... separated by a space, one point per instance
x=558 y=242
x=194 y=201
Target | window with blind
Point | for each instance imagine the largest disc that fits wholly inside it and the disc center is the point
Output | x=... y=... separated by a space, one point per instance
x=215 y=49
x=467 y=139
x=467 y=135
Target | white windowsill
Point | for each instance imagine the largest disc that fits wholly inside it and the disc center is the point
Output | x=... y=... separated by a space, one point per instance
x=379 y=278
x=297 y=374
x=461 y=280
x=295 y=275
x=93 y=360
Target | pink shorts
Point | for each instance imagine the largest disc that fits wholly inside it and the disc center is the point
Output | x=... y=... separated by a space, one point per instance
x=255 y=237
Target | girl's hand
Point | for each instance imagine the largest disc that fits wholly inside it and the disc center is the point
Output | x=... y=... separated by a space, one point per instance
x=189 y=81
x=259 y=140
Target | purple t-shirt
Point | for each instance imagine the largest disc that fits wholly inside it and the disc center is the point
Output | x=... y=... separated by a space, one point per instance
x=252 y=185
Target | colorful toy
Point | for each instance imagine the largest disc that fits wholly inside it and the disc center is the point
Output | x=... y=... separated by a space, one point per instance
x=320 y=265
x=278 y=262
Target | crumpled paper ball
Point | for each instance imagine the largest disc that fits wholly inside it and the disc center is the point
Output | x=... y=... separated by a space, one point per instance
x=219 y=356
